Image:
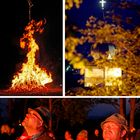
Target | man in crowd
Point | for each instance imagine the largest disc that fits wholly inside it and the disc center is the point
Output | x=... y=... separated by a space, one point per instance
x=114 y=127
x=35 y=124
x=7 y=132
x=82 y=135
x=97 y=135
x=68 y=135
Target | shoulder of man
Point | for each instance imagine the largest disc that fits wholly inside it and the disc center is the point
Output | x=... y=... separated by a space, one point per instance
x=45 y=137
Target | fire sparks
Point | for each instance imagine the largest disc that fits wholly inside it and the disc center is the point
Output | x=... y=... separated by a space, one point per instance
x=31 y=75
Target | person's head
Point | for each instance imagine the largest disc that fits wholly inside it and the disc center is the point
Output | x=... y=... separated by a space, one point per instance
x=51 y=134
x=36 y=119
x=114 y=127
x=68 y=135
x=82 y=135
x=5 y=129
x=96 y=132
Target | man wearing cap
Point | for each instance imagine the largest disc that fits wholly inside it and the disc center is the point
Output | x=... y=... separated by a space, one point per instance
x=35 y=124
x=82 y=135
x=114 y=127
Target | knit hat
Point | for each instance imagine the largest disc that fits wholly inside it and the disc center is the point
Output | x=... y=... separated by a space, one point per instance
x=43 y=113
x=83 y=133
x=118 y=119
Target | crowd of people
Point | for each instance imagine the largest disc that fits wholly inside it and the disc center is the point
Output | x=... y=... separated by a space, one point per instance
x=114 y=127
x=35 y=125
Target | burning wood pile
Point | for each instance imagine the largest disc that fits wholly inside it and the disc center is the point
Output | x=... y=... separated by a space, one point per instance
x=31 y=76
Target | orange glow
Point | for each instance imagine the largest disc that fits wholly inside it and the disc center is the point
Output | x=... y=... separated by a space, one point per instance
x=31 y=75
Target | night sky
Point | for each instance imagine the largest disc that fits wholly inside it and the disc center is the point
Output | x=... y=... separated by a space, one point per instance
x=14 y=17
x=79 y=16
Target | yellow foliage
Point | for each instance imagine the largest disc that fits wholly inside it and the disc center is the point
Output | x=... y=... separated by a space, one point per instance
x=71 y=43
x=127 y=44
x=71 y=3
x=72 y=56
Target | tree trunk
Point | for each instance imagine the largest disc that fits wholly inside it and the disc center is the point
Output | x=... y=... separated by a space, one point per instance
x=10 y=108
x=132 y=111
x=50 y=109
x=123 y=107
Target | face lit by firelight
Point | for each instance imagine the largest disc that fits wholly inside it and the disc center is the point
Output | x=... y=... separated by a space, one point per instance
x=32 y=120
x=112 y=131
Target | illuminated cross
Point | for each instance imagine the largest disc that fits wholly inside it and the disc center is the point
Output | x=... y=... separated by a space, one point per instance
x=102 y=3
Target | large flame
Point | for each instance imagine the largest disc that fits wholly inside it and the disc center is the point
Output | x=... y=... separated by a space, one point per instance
x=31 y=75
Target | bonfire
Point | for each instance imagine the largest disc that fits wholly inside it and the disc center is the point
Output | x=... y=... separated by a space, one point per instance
x=31 y=76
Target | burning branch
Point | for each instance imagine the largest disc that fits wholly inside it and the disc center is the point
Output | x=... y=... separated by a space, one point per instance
x=30 y=6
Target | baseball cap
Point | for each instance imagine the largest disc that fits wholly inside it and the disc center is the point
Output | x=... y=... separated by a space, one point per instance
x=118 y=119
x=43 y=113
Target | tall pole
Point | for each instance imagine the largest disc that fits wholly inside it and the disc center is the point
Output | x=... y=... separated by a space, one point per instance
x=30 y=6
x=50 y=109
x=132 y=113
x=123 y=106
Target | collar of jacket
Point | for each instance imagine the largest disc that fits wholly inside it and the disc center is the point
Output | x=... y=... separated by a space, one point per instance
x=34 y=137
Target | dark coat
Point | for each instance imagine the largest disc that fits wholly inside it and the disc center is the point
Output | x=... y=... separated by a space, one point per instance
x=41 y=136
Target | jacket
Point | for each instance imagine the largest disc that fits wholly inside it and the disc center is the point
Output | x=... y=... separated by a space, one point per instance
x=41 y=136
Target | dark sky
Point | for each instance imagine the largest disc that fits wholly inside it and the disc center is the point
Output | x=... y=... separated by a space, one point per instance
x=102 y=109
x=79 y=16
x=13 y=19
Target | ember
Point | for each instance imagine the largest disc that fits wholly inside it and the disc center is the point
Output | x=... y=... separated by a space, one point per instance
x=31 y=76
